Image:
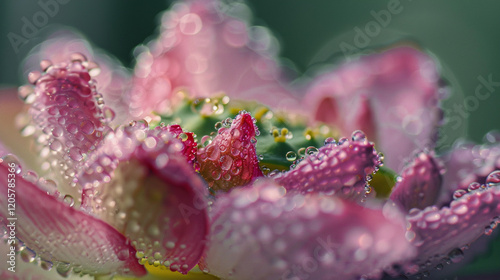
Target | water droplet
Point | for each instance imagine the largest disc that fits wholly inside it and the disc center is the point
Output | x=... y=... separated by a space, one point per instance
x=170 y=245
x=492 y=137
x=459 y=193
x=139 y=254
x=161 y=160
x=87 y=127
x=56 y=145
x=473 y=186
x=343 y=140
x=63 y=269
x=432 y=217
x=381 y=157
x=330 y=141
x=34 y=76
x=75 y=154
x=72 y=128
x=488 y=230
x=46 y=265
x=13 y=163
x=358 y=136
x=183 y=137
x=109 y=114
x=301 y=152
x=291 y=156
x=123 y=255
x=157 y=256
x=190 y=24
x=216 y=175
x=57 y=131
x=31 y=176
x=45 y=64
x=226 y=162
x=456 y=255
x=368 y=189
x=27 y=255
x=153 y=230
x=68 y=199
x=25 y=93
x=493 y=179
x=206 y=140
x=311 y=150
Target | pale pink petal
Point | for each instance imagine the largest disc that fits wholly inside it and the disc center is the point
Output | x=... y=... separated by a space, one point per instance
x=260 y=233
x=140 y=182
x=420 y=183
x=467 y=163
x=440 y=235
x=28 y=268
x=10 y=136
x=113 y=80
x=66 y=119
x=60 y=234
x=231 y=159
x=392 y=96
x=343 y=169
x=206 y=52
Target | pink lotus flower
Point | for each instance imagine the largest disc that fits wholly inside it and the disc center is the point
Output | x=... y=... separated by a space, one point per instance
x=229 y=169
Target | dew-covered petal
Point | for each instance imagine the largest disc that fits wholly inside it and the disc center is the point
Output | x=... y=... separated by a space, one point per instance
x=113 y=80
x=27 y=267
x=440 y=235
x=207 y=49
x=66 y=119
x=231 y=159
x=140 y=183
x=420 y=183
x=189 y=145
x=392 y=96
x=261 y=233
x=342 y=169
x=467 y=163
x=59 y=234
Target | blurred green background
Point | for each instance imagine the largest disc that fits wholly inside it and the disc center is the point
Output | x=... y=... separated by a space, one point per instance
x=463 y=36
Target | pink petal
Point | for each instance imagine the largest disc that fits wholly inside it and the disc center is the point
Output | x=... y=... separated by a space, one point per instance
x=206 y=52
x=231 y=159
x=467 y=163
x=67 y=119
x=392 y=96
x=420 y=183
x=113 y=80
x=441 y=234
x=344 y=169
x=140 y=183
x=60 y=234
x=259 y=233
